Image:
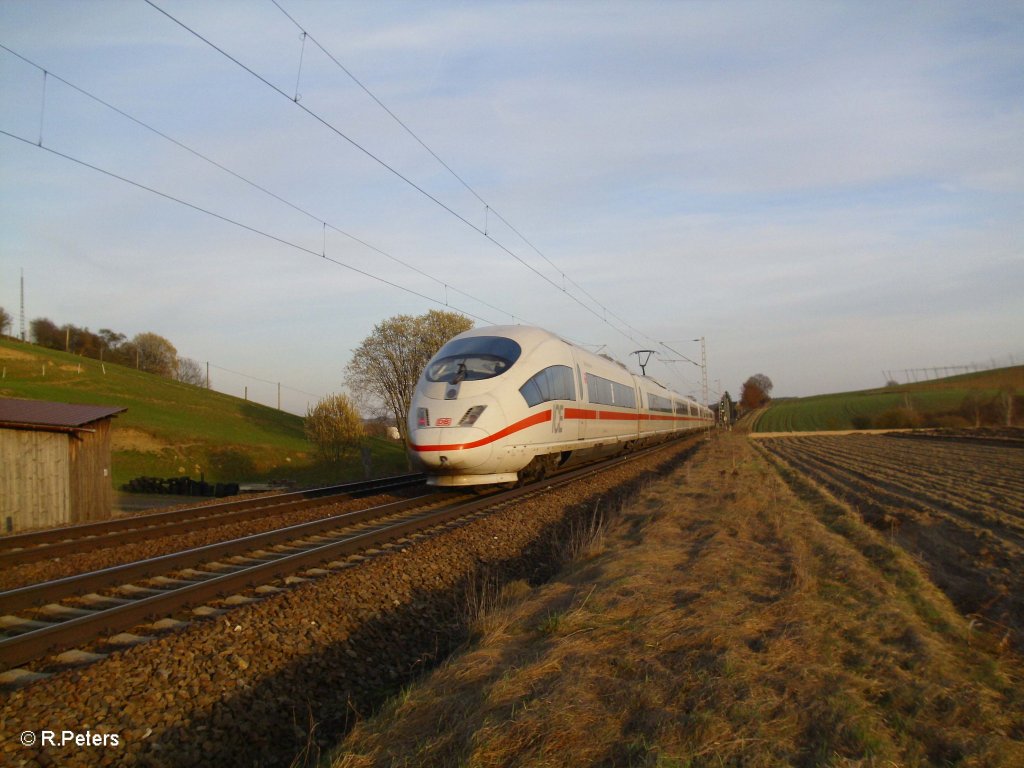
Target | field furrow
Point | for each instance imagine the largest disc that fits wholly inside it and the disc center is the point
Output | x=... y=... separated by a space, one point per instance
x=959 y=509
x=977 y=475
x=894 y=484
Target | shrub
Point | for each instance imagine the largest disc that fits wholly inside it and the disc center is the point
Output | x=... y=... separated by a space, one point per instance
x=861 y=422
x=898 y=418
x=334 y=427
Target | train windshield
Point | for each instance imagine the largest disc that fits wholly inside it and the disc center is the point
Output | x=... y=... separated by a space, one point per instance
x=472 y=359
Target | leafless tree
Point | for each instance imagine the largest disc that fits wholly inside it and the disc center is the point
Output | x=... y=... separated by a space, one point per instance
x=387 y=364
x=190 y=372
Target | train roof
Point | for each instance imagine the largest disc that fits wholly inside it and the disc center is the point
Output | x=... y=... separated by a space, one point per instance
x=531 y=336
x=527 y=334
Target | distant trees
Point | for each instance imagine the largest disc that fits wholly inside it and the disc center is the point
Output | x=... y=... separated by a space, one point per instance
x=387 y=364
x=105 y=345
x=110 y=342
x=5 y=322
x=45 y=333
x=148 y=352
x=335 y=427
x=756 y=392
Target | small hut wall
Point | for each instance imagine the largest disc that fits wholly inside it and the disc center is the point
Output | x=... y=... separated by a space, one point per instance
x=91 y=488
x=34 y=488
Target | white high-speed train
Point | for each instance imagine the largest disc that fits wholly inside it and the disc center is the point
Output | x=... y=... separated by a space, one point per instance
x=508 y=403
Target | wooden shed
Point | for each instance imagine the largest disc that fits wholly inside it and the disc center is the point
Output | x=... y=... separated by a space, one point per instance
x=54 y=463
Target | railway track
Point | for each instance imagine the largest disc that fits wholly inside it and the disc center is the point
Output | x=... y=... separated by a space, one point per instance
x=74 y=612
x=34 y=546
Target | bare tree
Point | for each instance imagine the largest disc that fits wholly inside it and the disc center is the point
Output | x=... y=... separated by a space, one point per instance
x=190 y=372
x=387 y=364
x=1005 y=405
x=335 y=427
x=111 y=345
x=973 y=406
x=5 y=321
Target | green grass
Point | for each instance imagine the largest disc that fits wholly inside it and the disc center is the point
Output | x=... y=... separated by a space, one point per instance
x=935 y=403
x=172 y=429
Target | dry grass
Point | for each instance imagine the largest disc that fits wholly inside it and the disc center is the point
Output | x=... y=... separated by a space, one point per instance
x=721 y=619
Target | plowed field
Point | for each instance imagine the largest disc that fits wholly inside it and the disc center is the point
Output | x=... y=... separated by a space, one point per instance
x=956 y=507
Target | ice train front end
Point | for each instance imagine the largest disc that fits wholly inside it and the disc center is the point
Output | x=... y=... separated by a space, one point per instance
x=508 y=403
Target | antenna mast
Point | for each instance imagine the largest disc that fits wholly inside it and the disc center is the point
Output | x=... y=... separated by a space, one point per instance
x=704 y=369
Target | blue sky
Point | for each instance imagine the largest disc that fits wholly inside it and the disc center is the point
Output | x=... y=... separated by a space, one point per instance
x=821 y=190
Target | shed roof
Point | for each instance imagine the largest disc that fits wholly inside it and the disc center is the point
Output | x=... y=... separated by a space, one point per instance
x=43 y=414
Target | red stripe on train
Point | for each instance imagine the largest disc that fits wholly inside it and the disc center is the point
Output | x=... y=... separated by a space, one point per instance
x=580 y=414
x=529 y=421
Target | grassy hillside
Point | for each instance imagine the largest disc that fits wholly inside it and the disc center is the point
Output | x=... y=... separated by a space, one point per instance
x=173 y=429
x=952 y=402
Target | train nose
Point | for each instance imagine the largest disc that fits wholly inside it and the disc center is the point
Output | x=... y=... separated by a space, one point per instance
x=452 y=449
x=453 y=436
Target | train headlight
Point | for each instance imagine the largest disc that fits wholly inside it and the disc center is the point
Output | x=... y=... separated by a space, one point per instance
x=470 y=417
x=422 y=417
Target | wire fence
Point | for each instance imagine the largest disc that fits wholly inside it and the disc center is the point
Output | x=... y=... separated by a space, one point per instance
x=914 y=375
x=273 y=394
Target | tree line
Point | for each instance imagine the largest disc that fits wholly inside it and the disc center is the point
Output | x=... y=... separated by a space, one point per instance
x=147 y=352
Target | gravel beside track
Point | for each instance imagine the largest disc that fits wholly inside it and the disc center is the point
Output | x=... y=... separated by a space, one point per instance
x=95 y=559
x=274 y=679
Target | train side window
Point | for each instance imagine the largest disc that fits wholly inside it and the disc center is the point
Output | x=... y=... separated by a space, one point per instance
x=599 y=390
x=658 y=403
x=554 y=383
x=624 y=396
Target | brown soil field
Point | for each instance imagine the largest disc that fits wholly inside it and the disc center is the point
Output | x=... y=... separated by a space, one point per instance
x=956 y=506
x=734 y=614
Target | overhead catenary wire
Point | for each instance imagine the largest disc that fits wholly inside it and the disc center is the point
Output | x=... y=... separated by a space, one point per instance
x=323 y=252
x=488 y=208
x=255 y=185
x=241 y=225
x=390 y=168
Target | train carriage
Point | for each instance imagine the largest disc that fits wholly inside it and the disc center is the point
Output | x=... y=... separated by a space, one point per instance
x=507 y=403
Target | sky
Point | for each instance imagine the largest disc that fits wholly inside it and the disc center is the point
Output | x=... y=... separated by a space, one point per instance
x=822 y=191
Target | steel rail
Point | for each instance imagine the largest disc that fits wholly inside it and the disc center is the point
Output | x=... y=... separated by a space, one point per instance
x=57 y=542
x=84 y=629
x=34 y=644
x=83 y=583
